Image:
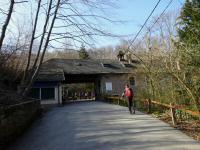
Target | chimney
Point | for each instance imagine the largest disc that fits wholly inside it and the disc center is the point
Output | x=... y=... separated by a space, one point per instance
x=120 y=55
x=128 y=57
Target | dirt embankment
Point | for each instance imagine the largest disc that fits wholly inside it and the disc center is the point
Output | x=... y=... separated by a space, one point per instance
x=189 y=126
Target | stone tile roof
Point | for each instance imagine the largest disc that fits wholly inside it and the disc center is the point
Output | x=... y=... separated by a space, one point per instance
x=54 y=69
x=50 y=74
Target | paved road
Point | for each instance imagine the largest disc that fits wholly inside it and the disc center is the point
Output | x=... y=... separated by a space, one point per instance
x=101 y=126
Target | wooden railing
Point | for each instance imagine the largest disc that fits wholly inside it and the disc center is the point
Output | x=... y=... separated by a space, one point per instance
x=148 y=102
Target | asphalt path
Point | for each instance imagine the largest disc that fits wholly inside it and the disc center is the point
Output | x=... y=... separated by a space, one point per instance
x=101 y=126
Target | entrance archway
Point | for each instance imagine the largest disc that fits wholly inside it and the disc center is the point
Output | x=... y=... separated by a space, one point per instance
x=78 y=92
x=87 y=79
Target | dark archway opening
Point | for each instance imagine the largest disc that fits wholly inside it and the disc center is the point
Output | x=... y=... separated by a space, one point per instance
x=79 y=87
x=78 y=92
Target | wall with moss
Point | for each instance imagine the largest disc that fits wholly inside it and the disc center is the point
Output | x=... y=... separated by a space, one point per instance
x=14 y=119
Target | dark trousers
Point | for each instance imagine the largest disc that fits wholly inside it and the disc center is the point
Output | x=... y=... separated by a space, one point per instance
x=130 y=104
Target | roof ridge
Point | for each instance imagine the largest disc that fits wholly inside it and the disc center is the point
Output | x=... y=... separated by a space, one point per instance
x=78 y=59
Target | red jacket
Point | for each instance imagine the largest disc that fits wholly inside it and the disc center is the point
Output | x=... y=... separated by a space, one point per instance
x=128 y=92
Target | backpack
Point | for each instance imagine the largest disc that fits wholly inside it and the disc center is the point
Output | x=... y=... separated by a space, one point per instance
x=130 y=92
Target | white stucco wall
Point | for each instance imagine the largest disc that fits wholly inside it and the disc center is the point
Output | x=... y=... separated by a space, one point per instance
x=60 y=94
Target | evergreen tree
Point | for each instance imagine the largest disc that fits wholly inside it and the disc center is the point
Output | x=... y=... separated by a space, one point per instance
x=189 y=23
x=83 y=54
x=189 y=47
x=189 y=33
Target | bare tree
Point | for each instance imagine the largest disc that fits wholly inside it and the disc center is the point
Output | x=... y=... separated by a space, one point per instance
x=5 y=25
x=168 y=77
x=63 y=19
x=8 y=18
x=31 y=42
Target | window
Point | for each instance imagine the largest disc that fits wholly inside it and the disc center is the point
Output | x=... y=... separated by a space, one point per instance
x=107 y=65
x=78 y=64
x=35 y=93
x=128 y=65
x=47 y=93
x=132 y=80
x=108 y=86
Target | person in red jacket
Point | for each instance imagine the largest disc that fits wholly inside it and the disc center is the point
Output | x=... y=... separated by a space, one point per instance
x=128 y=93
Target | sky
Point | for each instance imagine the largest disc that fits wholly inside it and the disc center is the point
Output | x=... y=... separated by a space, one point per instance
x=134 y=13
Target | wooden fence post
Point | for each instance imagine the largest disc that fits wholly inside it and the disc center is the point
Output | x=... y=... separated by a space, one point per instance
x=172 y=110
x=198 y=137
x=118 y=100
x=149 y=105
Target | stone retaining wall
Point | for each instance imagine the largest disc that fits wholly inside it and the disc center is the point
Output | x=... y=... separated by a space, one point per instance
x=15 y=119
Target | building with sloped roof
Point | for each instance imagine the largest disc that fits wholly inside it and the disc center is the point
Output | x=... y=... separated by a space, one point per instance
x=108 y=76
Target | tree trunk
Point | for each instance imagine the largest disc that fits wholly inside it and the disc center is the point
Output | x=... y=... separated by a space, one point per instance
x=43 y=35
x=28 y=87
x=4 y=28
x=31 y=43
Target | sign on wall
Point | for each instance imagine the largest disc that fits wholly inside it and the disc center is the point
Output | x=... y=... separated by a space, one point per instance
x=108 y=86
